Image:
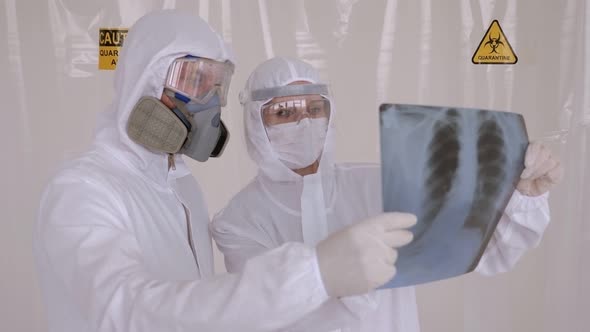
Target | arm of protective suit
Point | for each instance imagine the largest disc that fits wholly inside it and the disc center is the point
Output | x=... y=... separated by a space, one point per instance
x=93 y=251
x=520 y=228
x=239 y=248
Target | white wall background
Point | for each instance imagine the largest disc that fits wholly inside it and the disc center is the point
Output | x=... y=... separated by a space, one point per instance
x=371 y=51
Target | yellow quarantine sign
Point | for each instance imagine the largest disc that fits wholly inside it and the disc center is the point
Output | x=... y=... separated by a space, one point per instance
x=494 y=48
x=109 y=45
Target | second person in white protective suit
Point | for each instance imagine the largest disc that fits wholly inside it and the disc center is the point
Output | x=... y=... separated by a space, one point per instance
x=300 y=194
x=122 y=242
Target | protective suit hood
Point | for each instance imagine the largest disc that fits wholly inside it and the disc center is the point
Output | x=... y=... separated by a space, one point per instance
x=275 y=72
x=151 y=46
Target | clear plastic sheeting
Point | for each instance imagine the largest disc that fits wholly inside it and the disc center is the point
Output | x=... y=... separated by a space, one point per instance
x=401 y=51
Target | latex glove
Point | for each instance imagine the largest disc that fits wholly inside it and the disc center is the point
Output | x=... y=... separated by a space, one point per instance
x=362 y=257
x=542 y=171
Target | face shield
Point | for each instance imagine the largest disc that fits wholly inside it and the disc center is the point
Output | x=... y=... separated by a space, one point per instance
x=200 y=79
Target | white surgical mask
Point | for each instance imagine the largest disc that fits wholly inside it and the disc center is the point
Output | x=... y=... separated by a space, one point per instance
x=299 y=144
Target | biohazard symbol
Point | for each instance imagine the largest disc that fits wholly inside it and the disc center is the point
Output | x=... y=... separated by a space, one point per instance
x=494 y=48
x=494 y=43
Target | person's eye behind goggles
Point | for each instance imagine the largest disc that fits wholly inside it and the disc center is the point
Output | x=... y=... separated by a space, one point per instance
x=295 y=109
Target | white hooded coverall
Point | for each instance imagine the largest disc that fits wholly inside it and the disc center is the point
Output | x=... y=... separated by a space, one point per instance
x=274 y=208
x=112 y=242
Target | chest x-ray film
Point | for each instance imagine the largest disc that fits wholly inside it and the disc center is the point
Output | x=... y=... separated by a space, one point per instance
x=456 y=169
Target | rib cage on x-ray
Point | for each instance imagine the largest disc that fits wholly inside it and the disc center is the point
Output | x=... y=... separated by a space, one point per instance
x=455 y=169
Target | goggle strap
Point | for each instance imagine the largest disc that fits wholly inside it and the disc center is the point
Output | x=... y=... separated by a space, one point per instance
x=181 y=97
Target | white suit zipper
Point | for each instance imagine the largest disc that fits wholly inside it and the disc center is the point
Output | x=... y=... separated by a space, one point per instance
x=190 y=235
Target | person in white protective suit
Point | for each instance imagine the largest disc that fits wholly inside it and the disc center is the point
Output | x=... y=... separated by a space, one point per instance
x=122 y=242
x=300 y=194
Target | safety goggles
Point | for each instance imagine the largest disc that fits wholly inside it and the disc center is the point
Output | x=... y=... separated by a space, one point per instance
x=293 y=109
x=199 y=79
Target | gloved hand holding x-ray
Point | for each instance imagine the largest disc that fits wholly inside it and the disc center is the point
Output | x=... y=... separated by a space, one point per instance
x=455 y=169
x=346 y=251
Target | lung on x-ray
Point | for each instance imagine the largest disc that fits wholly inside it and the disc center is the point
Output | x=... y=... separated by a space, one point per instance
x=455 y=169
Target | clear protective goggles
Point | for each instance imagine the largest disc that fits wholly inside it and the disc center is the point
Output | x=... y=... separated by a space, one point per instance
x=291 y=103
x=199 y=79
x=292 y=109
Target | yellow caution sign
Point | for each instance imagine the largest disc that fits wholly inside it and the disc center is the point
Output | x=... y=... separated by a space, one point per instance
x=494 y=48
x=109 y=45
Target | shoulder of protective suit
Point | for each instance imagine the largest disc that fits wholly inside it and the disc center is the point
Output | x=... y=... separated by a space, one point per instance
x=358 y=166
x=358 y=175
x=85 y=193
x=237 y=211
x=95 y=169
x=351 y=169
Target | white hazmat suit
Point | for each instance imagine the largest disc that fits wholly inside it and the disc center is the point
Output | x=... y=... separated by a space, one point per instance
x=122 y=241
x=280 y=206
